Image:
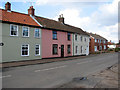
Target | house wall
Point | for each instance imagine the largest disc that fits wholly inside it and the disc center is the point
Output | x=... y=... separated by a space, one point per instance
x=0 y=42
x=47 y=42
x=91 y=45
x=11 y=51
x=80 y=43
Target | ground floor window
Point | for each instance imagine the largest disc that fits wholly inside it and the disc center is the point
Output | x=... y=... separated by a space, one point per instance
x=81 y=49
x=25 y=50
x=100 y=47
x=95 y=47
x=76 y=49
x=37 y=49
x=69 y=49
x=104 y=46
x=55 y=49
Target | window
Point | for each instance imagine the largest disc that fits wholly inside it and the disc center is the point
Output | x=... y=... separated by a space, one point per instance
x=85 y=39
x=100 y=47
x=104 y=47
x=69 y=49
x=37 y=33
x=76 y=49
x=81 y=49
x=13 y=30
x=55 y=49
x=25 y=50
x=95 y=40
x=54 y=35
x=98 y=41
x=25 y=31
x=76 y=37
x=68 y=36
x=104 y=41
x=95 y=47
x=37 y=50
x=81 y=38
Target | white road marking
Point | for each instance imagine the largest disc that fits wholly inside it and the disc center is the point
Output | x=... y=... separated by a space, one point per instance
x=51 y=68
x=84 y=62
x=5 y=76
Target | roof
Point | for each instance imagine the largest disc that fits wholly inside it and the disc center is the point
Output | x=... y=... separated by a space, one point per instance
x=96 y=36
x=52 y=24
x=15 y=17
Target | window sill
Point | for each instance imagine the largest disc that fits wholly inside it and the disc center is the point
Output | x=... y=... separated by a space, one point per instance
x=13 y=35
x=25 y=36
x=25 y=55
x=37 y=55
x=55 y=39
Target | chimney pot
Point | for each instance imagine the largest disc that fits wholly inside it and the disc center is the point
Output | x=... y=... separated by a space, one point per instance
x=8 y=6
x=31 y=11
x=61 y=18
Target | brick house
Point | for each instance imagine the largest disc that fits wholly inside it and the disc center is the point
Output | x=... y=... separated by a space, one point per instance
x=97 y=43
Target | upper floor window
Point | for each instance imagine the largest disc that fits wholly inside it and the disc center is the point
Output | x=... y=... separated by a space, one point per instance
x=37 y=33
x=25 y=31
x=104 y=41
x=68 y=49
x=55 y=49
x=37 y=50
x=13 y=30
x=25 y=50
x=68 y=36
x=98 y=40
x=76 y=37
x=55 y=35
x=81 y=38
x=85 y=39
x=95 y=40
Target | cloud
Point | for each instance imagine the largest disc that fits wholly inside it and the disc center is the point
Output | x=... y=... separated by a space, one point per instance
x=103 y=21
x=107 y=13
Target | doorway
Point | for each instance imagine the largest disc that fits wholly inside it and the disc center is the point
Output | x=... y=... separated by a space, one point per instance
x=62 y=50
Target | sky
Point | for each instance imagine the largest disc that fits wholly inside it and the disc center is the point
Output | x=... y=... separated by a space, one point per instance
x=96 y=16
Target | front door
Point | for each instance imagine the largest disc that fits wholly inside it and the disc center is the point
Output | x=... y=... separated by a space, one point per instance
x=62 y=50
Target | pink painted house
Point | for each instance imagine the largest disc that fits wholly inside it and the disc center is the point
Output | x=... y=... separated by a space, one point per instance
x=56 y=44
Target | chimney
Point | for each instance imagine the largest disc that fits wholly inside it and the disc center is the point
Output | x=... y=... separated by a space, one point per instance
x=8 y=6
x=61 y=18
x=31 y=11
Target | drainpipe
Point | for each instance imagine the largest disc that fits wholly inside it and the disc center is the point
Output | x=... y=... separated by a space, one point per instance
x=73 y=44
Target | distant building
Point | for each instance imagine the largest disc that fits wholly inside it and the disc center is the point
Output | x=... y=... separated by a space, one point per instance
x=97 y=43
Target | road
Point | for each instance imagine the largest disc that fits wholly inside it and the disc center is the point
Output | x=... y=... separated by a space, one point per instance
x=53 y=74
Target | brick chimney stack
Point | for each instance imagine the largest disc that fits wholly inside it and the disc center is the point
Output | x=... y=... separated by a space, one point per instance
x=8 y=6
x=31 y=11
x=61 y=18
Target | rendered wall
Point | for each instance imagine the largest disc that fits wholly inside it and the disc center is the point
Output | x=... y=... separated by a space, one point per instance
x=12 y=45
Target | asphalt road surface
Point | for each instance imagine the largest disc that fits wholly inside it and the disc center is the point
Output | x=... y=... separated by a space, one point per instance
x=57 y=73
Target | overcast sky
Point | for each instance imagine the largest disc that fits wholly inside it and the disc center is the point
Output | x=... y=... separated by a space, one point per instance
x=96 y=16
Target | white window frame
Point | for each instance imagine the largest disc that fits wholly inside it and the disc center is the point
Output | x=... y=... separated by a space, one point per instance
x=39 y=50
x=104 y=47
x=95 y=40
x=28 y=50
x=95 y=48
x=28 y=31
x=39 y=33
x=10 y=29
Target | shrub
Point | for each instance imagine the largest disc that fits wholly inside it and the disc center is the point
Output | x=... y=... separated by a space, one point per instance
x=117 y=49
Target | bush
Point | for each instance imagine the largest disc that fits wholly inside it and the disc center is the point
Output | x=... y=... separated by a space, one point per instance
x=117 y=49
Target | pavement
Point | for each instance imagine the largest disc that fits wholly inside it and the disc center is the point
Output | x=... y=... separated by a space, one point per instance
x=52 y=75
x=40 y=61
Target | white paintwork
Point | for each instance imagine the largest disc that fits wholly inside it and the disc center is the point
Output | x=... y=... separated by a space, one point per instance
x=79 y=43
